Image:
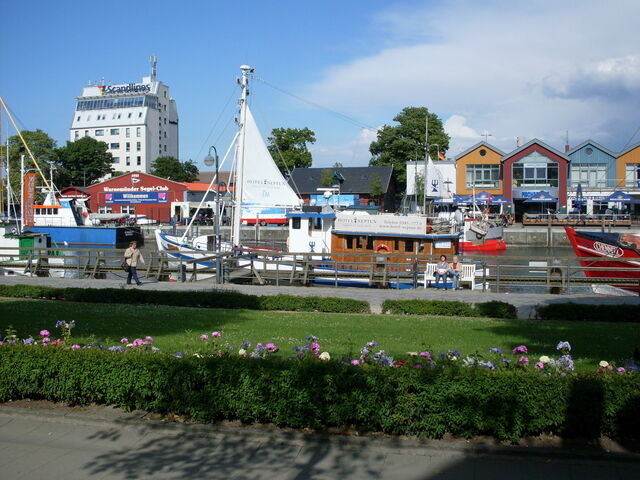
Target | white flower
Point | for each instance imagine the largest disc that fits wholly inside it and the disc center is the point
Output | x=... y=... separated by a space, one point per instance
x=325 y=356
x=544 y=359
x=412 y=354
x=604 y=364
x=242 y=352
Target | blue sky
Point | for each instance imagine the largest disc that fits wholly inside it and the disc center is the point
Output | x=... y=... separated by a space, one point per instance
x=532 y=69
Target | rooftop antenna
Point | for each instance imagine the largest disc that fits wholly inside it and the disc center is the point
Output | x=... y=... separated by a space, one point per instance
x=486 y=136
x=566 y=143
x=154 y=65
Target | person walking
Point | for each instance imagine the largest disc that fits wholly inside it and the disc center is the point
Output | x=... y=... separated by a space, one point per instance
x=132 y=256
x=455 y=271
x=442 y=271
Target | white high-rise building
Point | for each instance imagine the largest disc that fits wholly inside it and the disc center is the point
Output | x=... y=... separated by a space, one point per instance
x=138 y=121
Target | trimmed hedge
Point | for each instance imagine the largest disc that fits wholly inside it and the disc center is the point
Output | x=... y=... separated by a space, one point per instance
x=494 y=309
x=317 y=395
x=209 y=299
x=589 y=313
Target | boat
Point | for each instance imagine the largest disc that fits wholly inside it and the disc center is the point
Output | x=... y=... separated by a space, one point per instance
x=16 y=248
x=622 y=251
x=482 y=236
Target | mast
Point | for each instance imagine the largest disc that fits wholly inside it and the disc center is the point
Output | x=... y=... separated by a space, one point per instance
x=426 y=161
x=237 y=186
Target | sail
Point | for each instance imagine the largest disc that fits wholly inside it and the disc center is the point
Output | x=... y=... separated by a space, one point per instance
x=263 y=184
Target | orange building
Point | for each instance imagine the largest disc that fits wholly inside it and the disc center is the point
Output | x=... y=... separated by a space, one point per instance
x=628 y=168
x=479 y=169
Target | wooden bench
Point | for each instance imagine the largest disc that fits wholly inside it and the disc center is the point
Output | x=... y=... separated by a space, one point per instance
x=467 y=275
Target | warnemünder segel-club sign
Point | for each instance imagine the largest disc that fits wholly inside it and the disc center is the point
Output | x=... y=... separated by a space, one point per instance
x=128 y=88
x=135 y=197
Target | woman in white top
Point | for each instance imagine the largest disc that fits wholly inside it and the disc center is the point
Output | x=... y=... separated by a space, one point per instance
x=132 y=256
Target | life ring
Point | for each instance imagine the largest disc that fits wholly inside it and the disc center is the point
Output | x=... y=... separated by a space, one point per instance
x=85 y=214
x=382 y=248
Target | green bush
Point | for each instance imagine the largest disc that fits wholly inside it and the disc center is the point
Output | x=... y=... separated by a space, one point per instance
x=216 y=299
x=318 y=395
x=494 y=309
x=589 y=313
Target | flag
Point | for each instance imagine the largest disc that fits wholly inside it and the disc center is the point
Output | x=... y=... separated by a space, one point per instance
x=441 y=156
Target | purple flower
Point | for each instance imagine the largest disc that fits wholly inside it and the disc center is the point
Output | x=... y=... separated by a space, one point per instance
x=540 y=365
x=271 y=347
x=204 y=336
x=519 y=350
x=311 y=338
x=372 y=344
x=417 y=365
x=563 y=346
x=216 y=334
x=565 y=362
x=27 y=341
x=524 y=361
x=355 y=362
x=44 y=333
x=124 y=340
x=621 y=370
x=149 y=339
x=45 y=340
x=496 y=350
x=116 y=348
x=178 y=354
x=75 y=347
x=364 y=351
x=426 y=356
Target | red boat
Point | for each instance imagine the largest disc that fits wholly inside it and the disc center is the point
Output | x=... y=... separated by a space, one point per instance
x=624 y=248
x=482 y=236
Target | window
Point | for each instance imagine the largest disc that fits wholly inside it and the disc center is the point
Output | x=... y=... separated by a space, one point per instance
x=408 y=245
x=114 y=131
x=86 y=133
x=165 y=134
x=137 y=131
x=588 y=174
x=369 y=243
x=138 y=160
x=128 y=146
x=483 y=152
x=483 y=176
x=632 y=175
x=104 y=209
x=116 y=159
x=317 y=223
x=129 y=115
x=165 y=121
x=130 y=209
x=139 y=114
x=128 y=161
x=535 y=170
x=76 y=134
x=88 y=117
x=165 y=148
x=138 y=146
x=114 y=146
x=113 y=117
x=358 y=243
x=78 y=117
x=295 y=223
x=348 y=242
x=99 y=133
x=127 y=132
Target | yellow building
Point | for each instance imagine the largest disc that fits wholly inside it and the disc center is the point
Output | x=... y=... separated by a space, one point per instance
x=479 y=169
x=628 y=168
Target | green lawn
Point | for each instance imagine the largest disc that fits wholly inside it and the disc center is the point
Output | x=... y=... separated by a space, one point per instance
x=178 y=329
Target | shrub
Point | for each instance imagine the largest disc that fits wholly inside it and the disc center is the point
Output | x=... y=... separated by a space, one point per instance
x=493 y=309
x=318 y=395
x=589 y=313
x=215 y=299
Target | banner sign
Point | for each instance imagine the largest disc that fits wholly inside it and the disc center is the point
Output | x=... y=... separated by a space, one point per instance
x=390 y=224
x=135 y=197
x=28 y=199
x=336 y=200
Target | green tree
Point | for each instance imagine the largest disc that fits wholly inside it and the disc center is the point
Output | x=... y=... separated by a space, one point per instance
x=326 y=177
x=83 y=162
x=288 y=147
x=173 y=169
x=375 y=187
x=398 y=144
x=41 y=145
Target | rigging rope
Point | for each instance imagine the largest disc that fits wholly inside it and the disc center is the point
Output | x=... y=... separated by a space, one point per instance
x=344 y=117
x=206 y=140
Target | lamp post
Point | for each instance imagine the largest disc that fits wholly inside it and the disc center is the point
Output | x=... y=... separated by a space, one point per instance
x=210 y=160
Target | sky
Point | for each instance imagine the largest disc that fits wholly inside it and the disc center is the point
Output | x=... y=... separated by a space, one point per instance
x=543 y=69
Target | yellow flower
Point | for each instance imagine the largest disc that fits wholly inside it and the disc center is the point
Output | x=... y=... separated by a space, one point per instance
x=412 y=354
x=604 y=364
x=325 y=356
x=242 y=351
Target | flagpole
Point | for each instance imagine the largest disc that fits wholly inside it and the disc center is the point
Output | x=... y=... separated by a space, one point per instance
x=426 y=159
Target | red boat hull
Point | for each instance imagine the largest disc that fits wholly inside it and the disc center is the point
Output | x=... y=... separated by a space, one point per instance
x=620 y=250
x=493 y=245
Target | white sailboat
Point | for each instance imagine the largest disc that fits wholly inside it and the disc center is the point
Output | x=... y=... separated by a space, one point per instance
x=258 y=184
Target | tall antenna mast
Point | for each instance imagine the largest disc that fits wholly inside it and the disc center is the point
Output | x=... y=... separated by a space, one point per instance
x=154 y=65
x=237 y=186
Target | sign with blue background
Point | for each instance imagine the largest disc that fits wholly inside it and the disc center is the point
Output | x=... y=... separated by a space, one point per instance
x=136 y=197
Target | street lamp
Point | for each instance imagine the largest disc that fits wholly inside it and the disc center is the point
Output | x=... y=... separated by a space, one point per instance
x=208 y=161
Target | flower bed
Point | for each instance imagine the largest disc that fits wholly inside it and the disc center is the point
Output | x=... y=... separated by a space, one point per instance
x=506 y=395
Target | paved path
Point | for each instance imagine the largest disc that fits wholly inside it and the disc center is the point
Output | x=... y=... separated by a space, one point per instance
x=107 y=443
x=525 y=302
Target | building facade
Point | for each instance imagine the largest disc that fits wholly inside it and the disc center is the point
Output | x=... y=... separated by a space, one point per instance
x=479 y=168
x=136 y=193
x=138 y=121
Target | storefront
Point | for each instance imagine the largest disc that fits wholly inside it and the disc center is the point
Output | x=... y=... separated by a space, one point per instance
x=136 y=193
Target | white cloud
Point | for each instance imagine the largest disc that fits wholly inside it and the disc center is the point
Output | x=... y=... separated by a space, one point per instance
x=352 y=153
x=532 y=69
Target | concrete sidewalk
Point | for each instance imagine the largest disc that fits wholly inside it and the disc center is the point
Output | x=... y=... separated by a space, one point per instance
x=109 y=443
x=526 y=303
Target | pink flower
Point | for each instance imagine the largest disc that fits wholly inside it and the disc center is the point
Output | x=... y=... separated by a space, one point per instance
x=426 y=355
x=540 y=365
x=620 y=370
x=44 y=333
x=355 y=362
x=524 y=361
x=138 y=342
x=271 y=347
x=124 y=340
x=75 y=347
x=417 y=365
x=216 y=334
x=315 y=347
x=520 y=349
x=204 y=336
x=45 y=339
x=56 y=342
x=149 y=339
